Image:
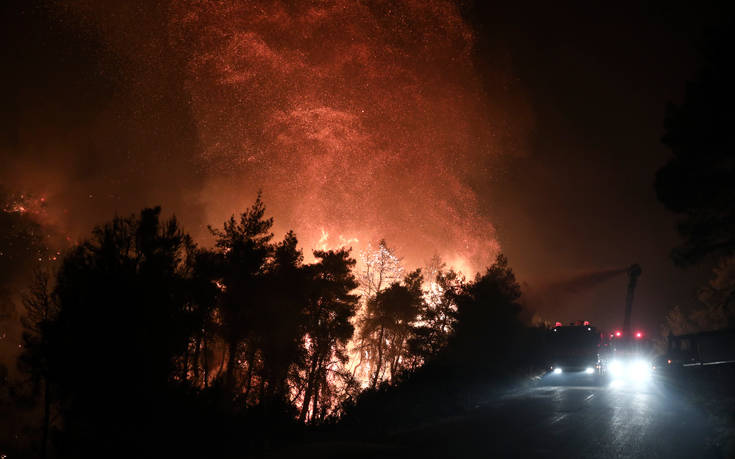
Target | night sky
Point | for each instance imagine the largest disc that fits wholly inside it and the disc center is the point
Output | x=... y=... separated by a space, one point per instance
x=458 y=130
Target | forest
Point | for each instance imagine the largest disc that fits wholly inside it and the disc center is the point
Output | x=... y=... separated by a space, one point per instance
x=141 y=340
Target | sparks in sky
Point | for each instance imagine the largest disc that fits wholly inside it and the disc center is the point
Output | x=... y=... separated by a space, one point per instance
x=362 y=119
x=353 y=119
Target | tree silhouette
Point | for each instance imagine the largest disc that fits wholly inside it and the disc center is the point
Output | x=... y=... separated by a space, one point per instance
x=698 y=182
x=202 y=300
x=488 y=319
x=120 y=328
x=151 y=343
x=244 y=248
x=330 y=307
x=489 y=343
x=41 y=310
x=437 y=313
x=718 y=298
x=280 y=320
x=386 y=325
x=381 y=268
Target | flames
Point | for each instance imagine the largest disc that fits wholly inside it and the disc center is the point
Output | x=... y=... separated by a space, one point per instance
x=341 y=241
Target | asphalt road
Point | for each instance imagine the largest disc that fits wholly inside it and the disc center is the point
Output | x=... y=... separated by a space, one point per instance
x=555 y=418
x=570 y=420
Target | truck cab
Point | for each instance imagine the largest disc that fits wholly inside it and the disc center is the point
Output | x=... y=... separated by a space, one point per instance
x=575 y=349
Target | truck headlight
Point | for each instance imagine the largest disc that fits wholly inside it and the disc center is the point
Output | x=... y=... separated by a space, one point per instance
x=640 y=370
x=616 y=368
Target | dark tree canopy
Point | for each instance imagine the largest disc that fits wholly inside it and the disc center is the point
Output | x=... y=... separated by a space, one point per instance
x=488 y=317
x=122 y=303
x=698 y=182
x=146 y=341
x=329 y=310
x=437 y=314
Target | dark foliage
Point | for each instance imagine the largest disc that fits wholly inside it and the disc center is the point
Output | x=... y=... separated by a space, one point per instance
x=327 y=323
x=488 y=319
x=386 y=326
x=490 y=347
x=438 y=315
x=145 y=345
x=122 y=319
x=698 y=182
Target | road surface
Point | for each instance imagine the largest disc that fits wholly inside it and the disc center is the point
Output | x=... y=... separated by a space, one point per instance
x=549 y=419
x=574 y=421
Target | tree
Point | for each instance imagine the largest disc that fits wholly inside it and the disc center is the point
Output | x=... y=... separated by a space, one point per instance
x=120 y=329
x=698 y=182
x=281 y=318
x=438 y=312
x=718 y=297
x=676 y=323
x=488 y=319
x=330 y=308
x=244 y=249
x=202 y=296
x=41 y=310
x=717 y=305
x=386 y=326
x=382 y=267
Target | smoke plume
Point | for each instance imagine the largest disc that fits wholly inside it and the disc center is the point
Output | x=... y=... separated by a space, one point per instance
x=551 y=297
x=357 y=120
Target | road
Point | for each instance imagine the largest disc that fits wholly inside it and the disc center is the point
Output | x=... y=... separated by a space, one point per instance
x=608 y=421
x=549 y=419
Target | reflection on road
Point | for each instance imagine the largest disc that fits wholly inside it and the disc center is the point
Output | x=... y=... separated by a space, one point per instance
x=614 y=419
x=578 y=419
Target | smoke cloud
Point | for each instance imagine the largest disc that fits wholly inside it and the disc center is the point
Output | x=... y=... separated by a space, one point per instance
x=552 y=296
x=357 y=120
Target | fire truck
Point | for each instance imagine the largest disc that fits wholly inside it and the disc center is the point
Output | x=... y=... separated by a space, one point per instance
x=630 y=357
x=575 y=349
x=630 y=353
x=580 y=348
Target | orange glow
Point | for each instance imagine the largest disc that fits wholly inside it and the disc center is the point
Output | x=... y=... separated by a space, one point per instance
x=365 y=139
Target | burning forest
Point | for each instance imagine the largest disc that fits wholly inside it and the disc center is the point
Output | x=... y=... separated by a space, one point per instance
x=247 y=325
x=242 y=227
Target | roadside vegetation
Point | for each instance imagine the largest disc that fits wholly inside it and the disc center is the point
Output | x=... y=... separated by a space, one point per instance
x=144 y=340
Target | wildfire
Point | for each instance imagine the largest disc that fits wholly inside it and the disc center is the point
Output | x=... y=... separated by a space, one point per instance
x=341 y=242
x=24 y=204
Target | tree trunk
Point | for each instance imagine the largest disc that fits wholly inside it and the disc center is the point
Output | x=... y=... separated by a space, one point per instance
x=315 y=406
x=398 y=343
x=309 y=388
x=195 y=358
x=206 y=362
x=380 y=357
x=231 y=357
